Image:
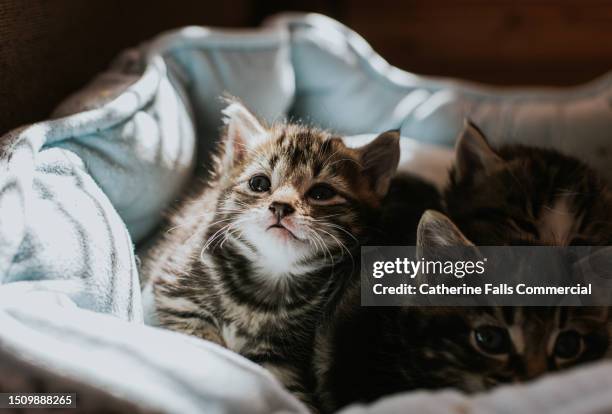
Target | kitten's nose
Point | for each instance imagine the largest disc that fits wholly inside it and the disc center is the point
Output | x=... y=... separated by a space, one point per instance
x=281 y=210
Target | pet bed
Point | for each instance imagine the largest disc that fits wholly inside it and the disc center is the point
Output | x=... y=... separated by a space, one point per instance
x=78 y=190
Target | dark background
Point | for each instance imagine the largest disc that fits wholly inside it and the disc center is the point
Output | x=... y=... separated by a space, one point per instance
x=49 y=48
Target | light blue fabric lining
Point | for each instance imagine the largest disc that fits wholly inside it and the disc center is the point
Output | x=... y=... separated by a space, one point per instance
x=341 y=83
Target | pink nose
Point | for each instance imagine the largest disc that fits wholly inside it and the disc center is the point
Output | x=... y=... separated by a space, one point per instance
x=280 y=210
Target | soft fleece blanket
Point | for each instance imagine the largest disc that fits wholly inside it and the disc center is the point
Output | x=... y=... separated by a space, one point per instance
x=79 y=190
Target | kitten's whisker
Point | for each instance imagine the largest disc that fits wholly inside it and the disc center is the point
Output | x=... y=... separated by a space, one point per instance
x=315 y=240
x=323 y=246
x=226 y=236
x=178 y=226
x=188 y=240
x=345 y=248
x=330 y=157
x=242 y=203
x=339 y=242
x=335 y=226
x=188 y=223
x=231 y=213
x=223 y=237
x=212 y=238
x=229 y=231
x=568 y=191
x=209 y=244
x=220 y=221
x=230 y=209
x=329 y=253
x=234 y=227
x=319 y=219
x=326 y=249
x=204 y=248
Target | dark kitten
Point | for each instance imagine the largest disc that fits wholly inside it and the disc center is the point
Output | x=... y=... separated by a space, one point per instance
x=256 y=255
x=524 y=195
x=371 y=352
x=516 y=195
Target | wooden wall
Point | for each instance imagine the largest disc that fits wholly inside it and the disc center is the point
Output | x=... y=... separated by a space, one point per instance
x=49 y=48
x=497 y=41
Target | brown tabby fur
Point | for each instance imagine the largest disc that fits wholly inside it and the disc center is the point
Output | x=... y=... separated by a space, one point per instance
x=232 y=271
x=515 y=195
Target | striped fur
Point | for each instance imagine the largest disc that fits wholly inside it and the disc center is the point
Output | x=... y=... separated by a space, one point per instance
x=515 y=195
x=237 y=269
x=372 y=352
x=523 y=195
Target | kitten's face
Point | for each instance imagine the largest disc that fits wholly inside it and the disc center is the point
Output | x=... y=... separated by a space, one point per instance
x=519 y=195
x=294 y=193
x=476 y=348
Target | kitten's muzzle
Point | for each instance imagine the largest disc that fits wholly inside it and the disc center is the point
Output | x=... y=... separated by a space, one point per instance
x=280 y=226
x=280 y=210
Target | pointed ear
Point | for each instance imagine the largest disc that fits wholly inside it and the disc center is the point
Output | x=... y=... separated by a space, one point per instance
x=473 y=154
x=379 y=160
x=437 y=230
x=244 y=131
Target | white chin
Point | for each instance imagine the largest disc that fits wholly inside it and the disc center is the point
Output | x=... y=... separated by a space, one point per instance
x=274 y=240
x=282 y=235
x=278 y=248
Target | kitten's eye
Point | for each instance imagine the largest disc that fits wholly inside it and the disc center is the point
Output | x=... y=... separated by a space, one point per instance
x=259 y=183
x=492 y=339
x=568 y=345
x=321 y=192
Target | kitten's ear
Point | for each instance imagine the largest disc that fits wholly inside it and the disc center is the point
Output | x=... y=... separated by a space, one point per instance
x=473 y=154
x=244 y=131
x=438 y=238
x=379 y=160
x=437 y=230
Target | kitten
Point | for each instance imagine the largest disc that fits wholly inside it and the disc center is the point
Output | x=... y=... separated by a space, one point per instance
x=257 y=254
x=524 y=195
x=520 y=342
x=372 y=352
x=516 y=195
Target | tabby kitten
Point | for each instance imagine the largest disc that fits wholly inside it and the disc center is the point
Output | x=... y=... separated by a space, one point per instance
x=372 y=352
x=256 y=255
x=524 y=195
x=522 y=342
x=516 y=195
